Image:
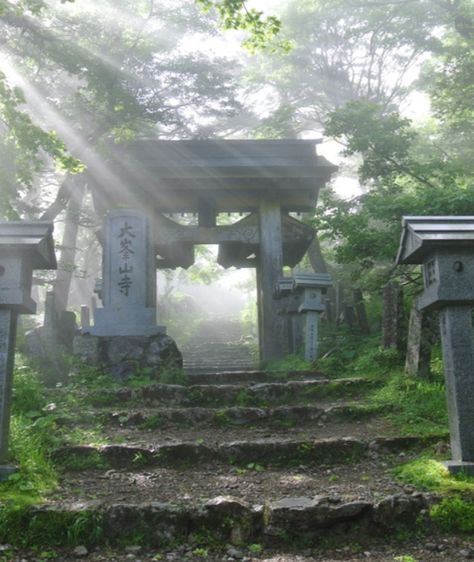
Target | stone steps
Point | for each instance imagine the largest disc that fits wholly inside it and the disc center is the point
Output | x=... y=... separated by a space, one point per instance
x=263 y=452
x=242 y=458
x=229 y=520
x=251 y=376
x=361 y=480
x=262 y=394
x=218 y=344
x=282 y=416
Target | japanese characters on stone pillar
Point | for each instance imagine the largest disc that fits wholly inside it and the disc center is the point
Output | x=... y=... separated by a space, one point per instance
x=313 y=288
x=24 y=246
x=445 y=248
x=128 y=287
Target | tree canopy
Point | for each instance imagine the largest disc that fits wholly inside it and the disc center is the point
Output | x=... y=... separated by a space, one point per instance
x=80 y=76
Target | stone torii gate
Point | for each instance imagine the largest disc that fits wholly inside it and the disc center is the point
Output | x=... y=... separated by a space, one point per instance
x=266 y=178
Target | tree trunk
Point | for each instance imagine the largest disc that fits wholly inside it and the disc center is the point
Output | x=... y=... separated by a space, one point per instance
x=65 y=272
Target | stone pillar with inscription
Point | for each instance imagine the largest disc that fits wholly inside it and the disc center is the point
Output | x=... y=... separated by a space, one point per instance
x=125 y=337
x=128 y=288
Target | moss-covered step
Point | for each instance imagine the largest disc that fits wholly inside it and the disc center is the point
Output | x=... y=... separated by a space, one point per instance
x=263 y=452
x=237 y=416
x=222 y=519
x=262 y=394
x=239 y=377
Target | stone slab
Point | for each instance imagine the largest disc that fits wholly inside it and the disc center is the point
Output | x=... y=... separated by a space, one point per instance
x=459 y=467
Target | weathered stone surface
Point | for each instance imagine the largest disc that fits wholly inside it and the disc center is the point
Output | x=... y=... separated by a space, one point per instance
x=162 y=522
x=395 y=444
x=124 y=356
x=122 y=456
x=233 y=518
x=87 y=349
x=266 y=393
x=396 y=510
x=422 y=334
x=283 y=452
x=302 y=516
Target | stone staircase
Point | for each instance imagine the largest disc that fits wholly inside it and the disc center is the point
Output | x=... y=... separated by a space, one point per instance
x=218 y=344
x=243 y=465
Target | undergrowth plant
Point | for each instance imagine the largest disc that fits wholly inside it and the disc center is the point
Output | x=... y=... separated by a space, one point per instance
x=426 y=473
x=454 y=515
x=33 y=435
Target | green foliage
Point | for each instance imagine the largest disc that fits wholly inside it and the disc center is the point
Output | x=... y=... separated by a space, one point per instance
x=82 y=461
x=33 y=434
x=21 y=525
x=26 y=142
x=405 y=558
x=172 y=375
x=234 y=14
x=428 y=474
x=454 y=515
x=406 y=172
x=418 y=406
x=291 y=362
x=347 y=354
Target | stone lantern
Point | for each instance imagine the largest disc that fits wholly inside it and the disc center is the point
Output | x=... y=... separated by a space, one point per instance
x=312 y=288
x=444 y=246
x=24 y=246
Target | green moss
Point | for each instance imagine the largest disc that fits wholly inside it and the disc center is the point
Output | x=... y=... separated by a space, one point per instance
x=82 y=461
x=22 y=525
x=152 y=422
x=418 y=407
x=428 y=474
x=291 y=362
x=454 y=515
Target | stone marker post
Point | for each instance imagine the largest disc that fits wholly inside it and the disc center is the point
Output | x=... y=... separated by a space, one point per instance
x=445 y=248
x=282 y=293
x=128 y=286
x=421 y=336
x=313 y=288
x=85 y=317
x=24 y=246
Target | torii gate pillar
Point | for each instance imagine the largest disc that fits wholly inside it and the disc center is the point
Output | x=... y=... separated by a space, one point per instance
x=269 y=270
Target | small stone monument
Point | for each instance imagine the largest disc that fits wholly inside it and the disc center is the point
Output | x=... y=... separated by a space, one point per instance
x=125 y=336
x=445 y=248
x=24 y=246
x=312 y=288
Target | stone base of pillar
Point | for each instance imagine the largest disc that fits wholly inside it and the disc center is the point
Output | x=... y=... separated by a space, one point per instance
x=111 y=322
x=126 y=356
x=460 y=467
